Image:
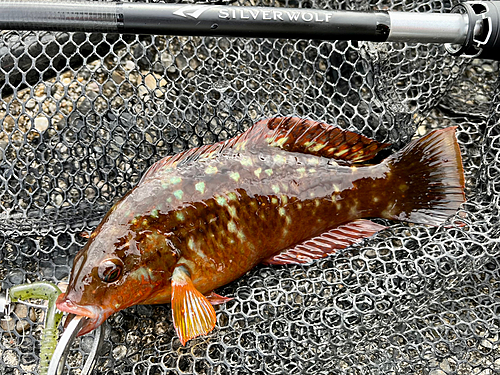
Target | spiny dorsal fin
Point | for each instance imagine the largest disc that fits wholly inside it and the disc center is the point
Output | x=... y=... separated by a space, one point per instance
x=289 y=133
x=326 y=243
x=315 y=138
x=187 y=156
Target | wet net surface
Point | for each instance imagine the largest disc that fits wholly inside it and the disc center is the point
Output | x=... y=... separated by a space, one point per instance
x=82 y=116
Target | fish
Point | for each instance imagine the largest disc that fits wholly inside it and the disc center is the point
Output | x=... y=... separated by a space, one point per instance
x=286 y=191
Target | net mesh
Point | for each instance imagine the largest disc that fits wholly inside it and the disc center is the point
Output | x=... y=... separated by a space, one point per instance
x=83 y=115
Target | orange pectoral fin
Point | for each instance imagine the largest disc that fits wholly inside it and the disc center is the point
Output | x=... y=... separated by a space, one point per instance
x=192 y=313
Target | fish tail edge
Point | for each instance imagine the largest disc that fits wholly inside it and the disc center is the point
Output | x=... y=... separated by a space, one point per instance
x=428 y=182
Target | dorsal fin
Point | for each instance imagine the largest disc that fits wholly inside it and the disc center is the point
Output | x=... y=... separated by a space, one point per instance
x=187 y=156
x=317 y=138
x=289 y=133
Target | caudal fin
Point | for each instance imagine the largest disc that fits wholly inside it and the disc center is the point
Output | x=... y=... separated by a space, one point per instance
x=426 y=179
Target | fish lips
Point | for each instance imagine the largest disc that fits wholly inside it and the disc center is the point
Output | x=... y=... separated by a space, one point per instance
x=96 y=314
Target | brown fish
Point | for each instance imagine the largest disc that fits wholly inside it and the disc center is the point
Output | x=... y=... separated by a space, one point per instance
x=287 y=191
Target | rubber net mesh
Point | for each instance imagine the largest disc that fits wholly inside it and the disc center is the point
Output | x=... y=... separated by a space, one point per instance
x=82 y=116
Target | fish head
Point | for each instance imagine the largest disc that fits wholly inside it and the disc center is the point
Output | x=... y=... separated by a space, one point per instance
x=116 y=269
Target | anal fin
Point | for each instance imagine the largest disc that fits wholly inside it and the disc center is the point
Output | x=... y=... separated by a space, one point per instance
x=326 y=243
x=192 y=312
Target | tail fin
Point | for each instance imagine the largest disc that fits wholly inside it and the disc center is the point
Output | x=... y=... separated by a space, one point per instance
x=427 y=179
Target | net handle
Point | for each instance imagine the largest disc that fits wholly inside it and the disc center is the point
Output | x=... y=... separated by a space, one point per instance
x=471 y=28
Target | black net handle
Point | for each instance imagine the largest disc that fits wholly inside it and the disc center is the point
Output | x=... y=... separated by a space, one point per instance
x=472 y=28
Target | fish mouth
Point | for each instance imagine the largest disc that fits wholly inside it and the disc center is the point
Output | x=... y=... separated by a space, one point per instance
x=96 y=315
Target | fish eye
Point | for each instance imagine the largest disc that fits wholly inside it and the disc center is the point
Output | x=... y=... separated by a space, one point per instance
x=110 y=270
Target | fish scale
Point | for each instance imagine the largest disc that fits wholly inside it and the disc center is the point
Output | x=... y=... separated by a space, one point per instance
x=315 y=183
x=287 y=191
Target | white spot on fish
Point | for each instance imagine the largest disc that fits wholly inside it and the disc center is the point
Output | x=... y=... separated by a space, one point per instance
x=281 y=142
x=231 y=226
x=179 y=194
x=232 y=211
x=154 y=213
x=211 y=170
x=312 y=170
x=269 y=172
x=180 y=216
x=232 y=196
x=175 y=180
x=354 y=209
x=235 y=176
x=257 y=172
x=279 y=159
x=284 y=199
x=221 y=201
x=353 y=169
x=191 y=243
x=241 y=145
x=301 y=171
x=313 y=161
x=376 y=199
x=274 y=200
x=317 y=202
x=241 y=236
x=282 y=211
x=200 y=186
x=276 y=189
x=246 y=161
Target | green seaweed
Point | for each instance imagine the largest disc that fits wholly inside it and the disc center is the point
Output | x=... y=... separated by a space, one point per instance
x=50 y=292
